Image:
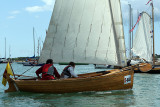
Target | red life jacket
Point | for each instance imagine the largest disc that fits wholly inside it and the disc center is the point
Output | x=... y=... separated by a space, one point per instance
x=45 y=72
x=46 y=68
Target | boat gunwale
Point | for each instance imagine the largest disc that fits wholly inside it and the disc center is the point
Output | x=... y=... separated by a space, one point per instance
x=112 y=72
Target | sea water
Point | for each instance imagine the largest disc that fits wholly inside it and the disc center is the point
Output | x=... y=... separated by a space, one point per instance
x=145 y=92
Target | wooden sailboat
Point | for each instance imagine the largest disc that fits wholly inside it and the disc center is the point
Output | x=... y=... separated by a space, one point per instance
x=98 y=81
x=83 y=31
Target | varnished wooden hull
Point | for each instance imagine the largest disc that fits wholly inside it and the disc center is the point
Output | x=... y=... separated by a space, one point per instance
x=147 y=68
x=152 y=71
x=99 y=81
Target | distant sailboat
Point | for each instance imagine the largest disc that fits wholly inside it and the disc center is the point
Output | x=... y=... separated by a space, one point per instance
x=4 y=60
x=144 y=41
x=142 y=45
x=32 y=61
x=83 y=31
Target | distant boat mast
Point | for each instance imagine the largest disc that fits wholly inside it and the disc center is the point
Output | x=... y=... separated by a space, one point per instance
x=34 y=41
x=9 y=51
x=5 y=48
x=38 y=48
x=153 y=33
x=132 y=32
x=130 y=53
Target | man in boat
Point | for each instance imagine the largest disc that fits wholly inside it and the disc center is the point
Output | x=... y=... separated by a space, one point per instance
x=68 y=71
x=48 y=71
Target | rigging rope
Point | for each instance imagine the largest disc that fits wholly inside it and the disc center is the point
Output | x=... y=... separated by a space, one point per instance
x=27 y=70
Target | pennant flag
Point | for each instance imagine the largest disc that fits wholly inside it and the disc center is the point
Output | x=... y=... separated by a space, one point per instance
x=8 y=71
x=148 y=2
x=139 y=18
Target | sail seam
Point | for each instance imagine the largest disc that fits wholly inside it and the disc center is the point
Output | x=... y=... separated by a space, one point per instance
x=109 y=42
x=68 y=29
x=76 y=42
x=90 y=31
x=56 y=29
x=100 y=32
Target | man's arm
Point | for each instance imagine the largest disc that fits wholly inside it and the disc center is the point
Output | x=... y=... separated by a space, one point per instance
x=38 y=72
x=72 y=72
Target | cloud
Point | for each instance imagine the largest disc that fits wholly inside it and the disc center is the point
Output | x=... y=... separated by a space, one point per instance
x=49 y=2
x=15 y=12
x=34 y=9
x=48 y=6
x=11 y=17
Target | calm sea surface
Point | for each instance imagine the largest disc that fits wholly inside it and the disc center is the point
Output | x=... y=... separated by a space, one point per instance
x=145 y=92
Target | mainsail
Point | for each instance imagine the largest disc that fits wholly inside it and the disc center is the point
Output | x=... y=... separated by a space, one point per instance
x=85 y=31
x=142 y=44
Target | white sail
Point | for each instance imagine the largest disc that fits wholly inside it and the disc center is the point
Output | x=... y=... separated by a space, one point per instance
x=142 y=44
x=85 y=31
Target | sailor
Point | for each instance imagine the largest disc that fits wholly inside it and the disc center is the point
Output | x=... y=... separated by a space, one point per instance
x=48 y=71
x=68 y=71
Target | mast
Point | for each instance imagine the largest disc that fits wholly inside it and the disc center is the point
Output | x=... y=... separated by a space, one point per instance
x=5 y=48
x=132 y=34
x=9 y=52
x=130 y=54
x=153 y=34
x=38 y=48
x=34 y=41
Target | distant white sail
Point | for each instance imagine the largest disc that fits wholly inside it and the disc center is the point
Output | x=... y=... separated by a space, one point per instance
x=85 y=31
x=142 y=44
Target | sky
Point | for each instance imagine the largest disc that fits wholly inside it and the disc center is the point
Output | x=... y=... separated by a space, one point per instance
x=19 y=17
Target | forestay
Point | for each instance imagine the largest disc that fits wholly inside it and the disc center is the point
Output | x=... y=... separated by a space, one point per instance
x=85 y=31
x=142 y=44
